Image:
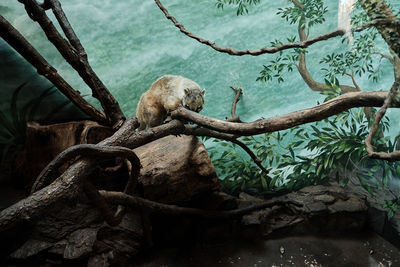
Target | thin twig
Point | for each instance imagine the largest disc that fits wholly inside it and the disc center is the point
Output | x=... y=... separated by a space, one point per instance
x=234 y=117
x=234 y=52
x=197 y=131
x=265 y=50
x=351 y=75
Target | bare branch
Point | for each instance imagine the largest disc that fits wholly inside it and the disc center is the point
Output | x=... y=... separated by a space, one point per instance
x=137 y=202
x=322 y=111
x=384 y=56
x=66 y=26
x=197 y=131
x=68 y=185
x=351 y=75
x=78 y=61
x=26 y=50
x=234 y=117
x=392 y=156
x=302 y=67
x=83 y=150
x=266 y=50
x=234 y=52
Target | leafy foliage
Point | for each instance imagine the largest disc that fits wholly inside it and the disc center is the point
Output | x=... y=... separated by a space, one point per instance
x=242 y=5
x=13 y=127
x=308 y=155
x=309 y=12
x=284 y=62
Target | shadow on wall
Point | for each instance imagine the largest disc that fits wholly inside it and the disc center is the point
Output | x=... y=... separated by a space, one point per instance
x=15 y=71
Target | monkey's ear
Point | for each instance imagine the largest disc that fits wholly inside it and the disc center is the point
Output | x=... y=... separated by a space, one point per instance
x=186 y=91
x=203 y=92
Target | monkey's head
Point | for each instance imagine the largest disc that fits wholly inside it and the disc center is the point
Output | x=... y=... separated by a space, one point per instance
x=194 y=99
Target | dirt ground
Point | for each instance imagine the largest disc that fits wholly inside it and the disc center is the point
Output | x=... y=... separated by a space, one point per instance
x=363 y=250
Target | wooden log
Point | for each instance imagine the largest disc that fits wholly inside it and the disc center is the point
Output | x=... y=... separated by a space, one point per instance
x=176 y=170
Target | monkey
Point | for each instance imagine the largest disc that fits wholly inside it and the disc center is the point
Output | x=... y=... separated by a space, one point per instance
x=165 y=95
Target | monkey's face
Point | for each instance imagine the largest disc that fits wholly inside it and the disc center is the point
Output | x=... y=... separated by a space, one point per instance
x=193 y=99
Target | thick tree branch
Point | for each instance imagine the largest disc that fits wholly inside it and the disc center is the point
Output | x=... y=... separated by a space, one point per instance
x=392 y=156
x=26 y=50
x=137 y=202
x=84 y=150
x=322 y=111
x=78 y=61
x=302 y=67
x=69 y=183
x=67 y=186
x=378 y=9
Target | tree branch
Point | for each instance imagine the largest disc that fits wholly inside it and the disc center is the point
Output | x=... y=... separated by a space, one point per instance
x=378 y=9
x=316 y=113
x=197 y=131
x=137 y=202
x=302 y=67
x=77 y=61
x=234 y=117
x=66 y=26
x=264 y=50
x=392 y=156
x=83 y=150
x=69 y=183
x=234 y=52
x=27 y=51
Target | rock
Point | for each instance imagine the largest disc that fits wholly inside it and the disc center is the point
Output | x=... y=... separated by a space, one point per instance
x=325 y=209
x=30 y=248
x=80 y=243
x=176 y=169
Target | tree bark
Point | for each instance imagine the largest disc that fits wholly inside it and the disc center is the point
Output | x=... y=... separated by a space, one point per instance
x=26 y=50
x=322 y=111
x=378 y=9
x=78 y=61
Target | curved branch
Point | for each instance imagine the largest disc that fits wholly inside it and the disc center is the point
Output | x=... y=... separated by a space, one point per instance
x=194 y=130
x=84 y=150
x=322 y=111
x=234 y=52
x=378 y=9
x=392 y=156
x=137 y=202
x=27 y=51
x=67 y=186
x=265 y=50
x=234 y=117
x=302 y=67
